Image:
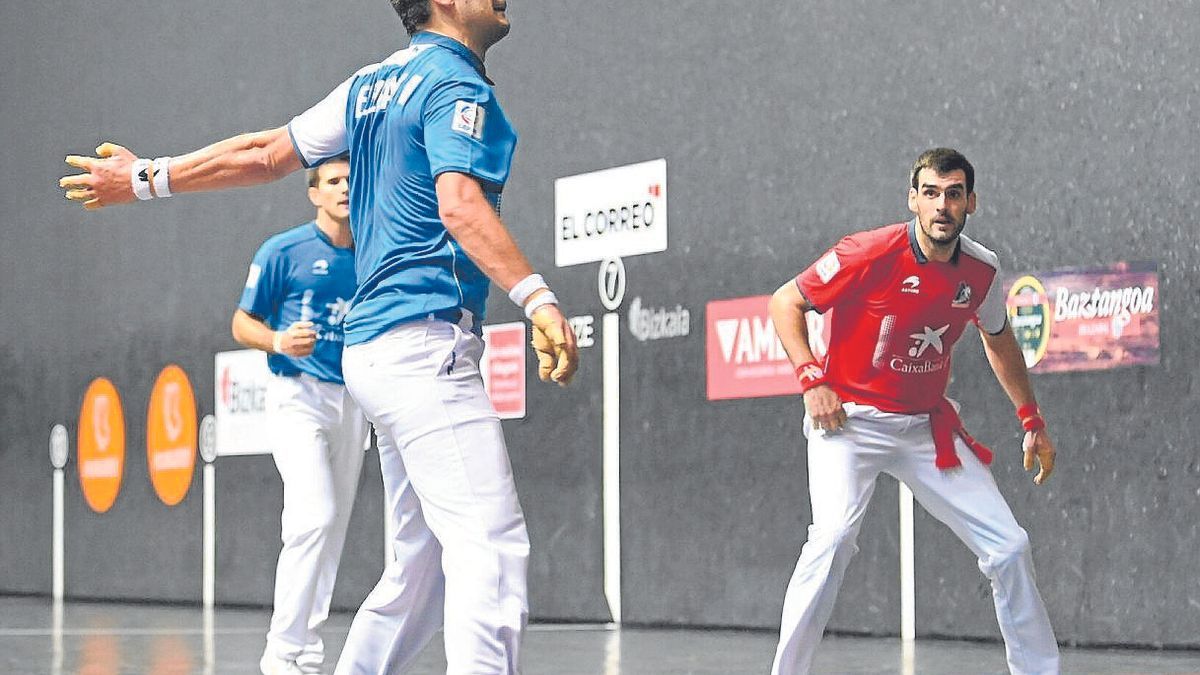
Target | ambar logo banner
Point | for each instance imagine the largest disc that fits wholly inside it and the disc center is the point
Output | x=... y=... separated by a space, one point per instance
x=101 y=445
x=171 y=435
x=1087 y=318
x=744 y=356
x=503 y=368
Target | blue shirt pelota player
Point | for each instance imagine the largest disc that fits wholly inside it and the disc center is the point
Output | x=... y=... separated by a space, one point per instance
x=300 y=276
x=429 y=151
x=293 y=305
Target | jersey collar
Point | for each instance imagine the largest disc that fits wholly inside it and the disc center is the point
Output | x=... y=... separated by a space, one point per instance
x=916 y=247
x=325 y=238
x=429 y=38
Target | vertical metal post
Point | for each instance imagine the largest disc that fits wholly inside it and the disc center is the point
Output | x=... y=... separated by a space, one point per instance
x=908 y=595
x=612 y=464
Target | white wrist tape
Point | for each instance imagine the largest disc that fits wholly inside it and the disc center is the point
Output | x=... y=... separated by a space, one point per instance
x=277 y=342
x=162 y=177
x=547 y=298
x=139 y=178
x=524 y=288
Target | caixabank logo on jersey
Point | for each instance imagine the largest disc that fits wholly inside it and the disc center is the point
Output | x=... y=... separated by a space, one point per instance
x=1086 y=318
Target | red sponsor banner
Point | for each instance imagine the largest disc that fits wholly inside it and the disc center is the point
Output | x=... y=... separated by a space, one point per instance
x=744 y=356
x=1086 y=318
x=503 y=368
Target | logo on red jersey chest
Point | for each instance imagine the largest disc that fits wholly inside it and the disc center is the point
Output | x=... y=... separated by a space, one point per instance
x=962 y=296
x=928 y=337
x=912 y=350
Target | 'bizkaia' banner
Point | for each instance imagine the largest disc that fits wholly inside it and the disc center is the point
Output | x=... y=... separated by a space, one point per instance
x=1086 y=319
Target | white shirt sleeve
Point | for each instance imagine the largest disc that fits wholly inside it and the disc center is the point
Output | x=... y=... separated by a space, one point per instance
x=993 y=313
x=320 y=132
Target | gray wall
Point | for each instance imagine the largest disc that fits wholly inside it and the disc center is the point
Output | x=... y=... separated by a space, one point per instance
x=784 y=125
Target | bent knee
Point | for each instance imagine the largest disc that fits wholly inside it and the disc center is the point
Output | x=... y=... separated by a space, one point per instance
x=312 y=525
x=842 y=540
x=1012 y=548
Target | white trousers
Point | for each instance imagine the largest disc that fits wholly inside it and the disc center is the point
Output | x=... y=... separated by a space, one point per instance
x=319 y=433
x=461 y=548
x=842 y=468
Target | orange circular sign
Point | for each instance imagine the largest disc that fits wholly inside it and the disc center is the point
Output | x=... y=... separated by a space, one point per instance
x=171 y=435
x=101 y=445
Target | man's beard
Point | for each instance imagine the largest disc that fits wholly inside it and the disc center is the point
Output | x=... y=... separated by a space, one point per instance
x=497 y=33
x=949 y=239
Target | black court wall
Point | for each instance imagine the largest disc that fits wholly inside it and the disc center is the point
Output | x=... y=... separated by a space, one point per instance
x=783 y=128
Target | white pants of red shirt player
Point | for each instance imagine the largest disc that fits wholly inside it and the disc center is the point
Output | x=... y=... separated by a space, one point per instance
x=842 y=468
x=319 y=454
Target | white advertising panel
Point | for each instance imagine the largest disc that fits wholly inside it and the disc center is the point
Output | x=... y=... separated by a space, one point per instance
x=611 y=213
x=241 y=403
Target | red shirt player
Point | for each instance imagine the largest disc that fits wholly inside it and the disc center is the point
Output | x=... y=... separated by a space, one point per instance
x=904 y=295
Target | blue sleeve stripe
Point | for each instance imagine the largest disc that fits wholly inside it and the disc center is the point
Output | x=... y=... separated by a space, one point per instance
x=250 y=310
x=296 y=147
x=488 y=182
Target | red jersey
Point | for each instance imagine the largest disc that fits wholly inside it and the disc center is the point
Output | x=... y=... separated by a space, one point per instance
x=899 y=314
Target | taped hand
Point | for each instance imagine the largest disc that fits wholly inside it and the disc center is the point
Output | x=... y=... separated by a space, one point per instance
x=1038 y=443
x=554 y=344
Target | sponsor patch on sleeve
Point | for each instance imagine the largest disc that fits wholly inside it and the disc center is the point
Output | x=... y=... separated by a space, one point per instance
x=468 y=119
x=252 y=277
x=827 y=266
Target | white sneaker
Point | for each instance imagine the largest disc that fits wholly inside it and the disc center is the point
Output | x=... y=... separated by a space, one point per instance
x=269 y=664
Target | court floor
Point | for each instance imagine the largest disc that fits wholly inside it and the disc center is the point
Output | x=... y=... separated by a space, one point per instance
x=119 y=639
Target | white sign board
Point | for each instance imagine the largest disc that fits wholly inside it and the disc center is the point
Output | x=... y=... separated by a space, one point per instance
x=611 y=213
x=241 y=403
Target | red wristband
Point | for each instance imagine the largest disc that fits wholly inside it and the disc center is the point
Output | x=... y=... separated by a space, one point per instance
x=1031 y=417
x=810 y=375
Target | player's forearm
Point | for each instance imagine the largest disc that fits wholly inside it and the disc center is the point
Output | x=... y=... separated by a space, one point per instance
x=474 y=224
x=786 y=308
x=1007 y=361
x=252 y=333
x=488 y=242
x=245 y=160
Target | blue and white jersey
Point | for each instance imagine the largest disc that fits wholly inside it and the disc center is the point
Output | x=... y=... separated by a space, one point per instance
x=424 y=111
x=299 y=275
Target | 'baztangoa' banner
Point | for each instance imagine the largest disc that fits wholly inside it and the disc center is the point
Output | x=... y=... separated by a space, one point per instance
x=1086 y=318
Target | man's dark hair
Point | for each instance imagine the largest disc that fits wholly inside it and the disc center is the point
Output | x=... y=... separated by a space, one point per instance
x=413 y=13
x=943 y=161
x=314 y=174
